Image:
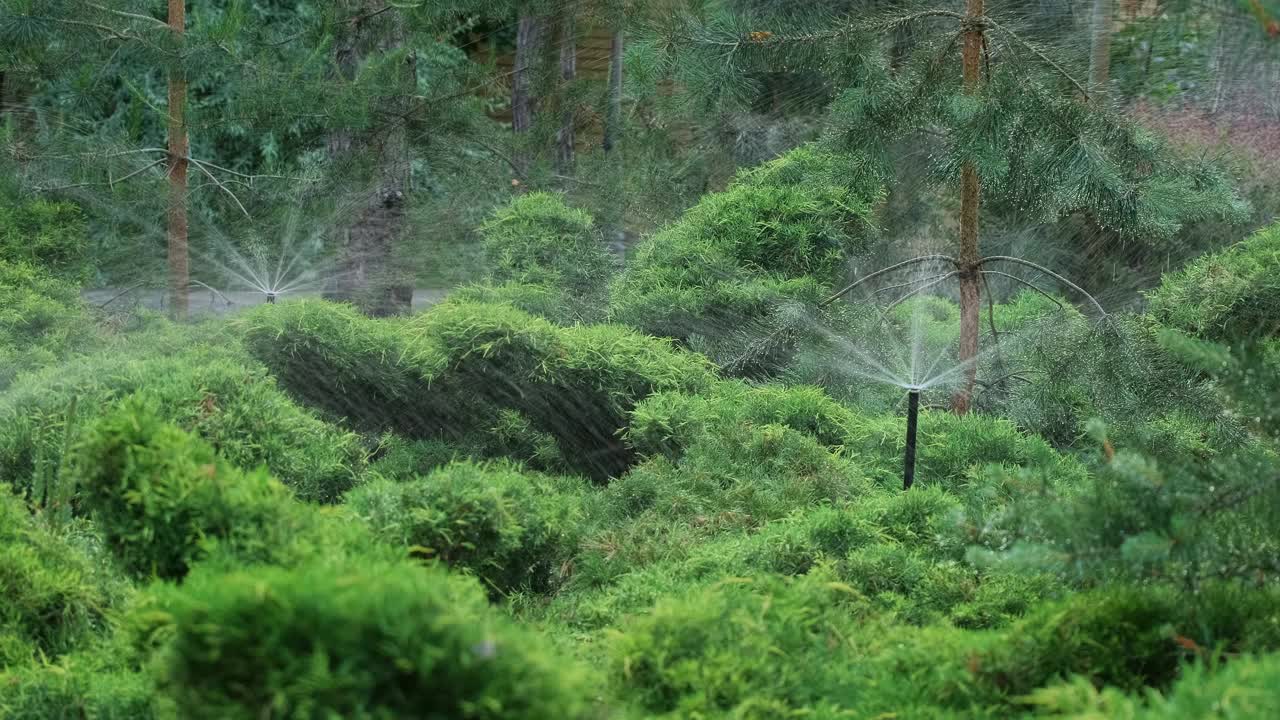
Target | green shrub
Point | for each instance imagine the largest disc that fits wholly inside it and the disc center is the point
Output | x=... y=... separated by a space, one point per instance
x=42 y=320
x=1238 y=690
x=163 y=497
x=747 y=648
x=780 y=233
x=541 y=300
x=949 y=446
x=48 y=235
x=538 y=240
x=450 y=374
x=53 y=595
x=512 y=529
x=85 y=686
x=1227 y=295
x=365 y=640
x=203 y=384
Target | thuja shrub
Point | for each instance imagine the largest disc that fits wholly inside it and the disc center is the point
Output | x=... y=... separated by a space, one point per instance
x=54 y=595
x=451 y=372
x=358 y=640
x=538 y=240
x=1225 y=295
x=204 y=384
x=778 y=233
x=512 y=529
x=164 y=499
x=42 y=320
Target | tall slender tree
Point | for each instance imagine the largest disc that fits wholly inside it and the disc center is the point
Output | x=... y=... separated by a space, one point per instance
x=566 y=135
x=177 y=228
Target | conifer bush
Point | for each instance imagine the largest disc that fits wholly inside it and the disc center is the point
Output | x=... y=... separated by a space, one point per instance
x=54 y=596
x=364 y=640
x=90 y=684
x=46 y=234
x=42 y=320
x=203 y=384
x=164 y=499
x=538 y=241
x=512 y=529
x=779 y=233
x=1225 y=295
x=451 y=372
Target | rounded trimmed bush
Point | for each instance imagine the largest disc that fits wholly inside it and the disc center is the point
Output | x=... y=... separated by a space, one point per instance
x=512 y=529
x=361 y=641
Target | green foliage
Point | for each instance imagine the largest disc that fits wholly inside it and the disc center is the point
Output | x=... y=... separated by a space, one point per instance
x=1236 y=690
x=47 y=235
x=512 y=529
x=371 y=640
x=90 y=685
x=42 y=320
x=950 y=446
x=163 y=498
x=1227 y=295
x=450 y=373
x=539 y=240
x=195 y=378
x=779 y=233
x=54 y=594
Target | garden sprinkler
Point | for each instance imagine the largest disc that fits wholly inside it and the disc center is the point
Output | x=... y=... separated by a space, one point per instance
x=909 y=458
x=271 y=297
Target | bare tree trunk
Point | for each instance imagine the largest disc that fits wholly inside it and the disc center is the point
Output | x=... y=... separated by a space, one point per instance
x=565 y=135
x=1100 y=58
x=615 y=233
x=179 y=152
x=528 y=38
x=367 y=273
x=970 y=197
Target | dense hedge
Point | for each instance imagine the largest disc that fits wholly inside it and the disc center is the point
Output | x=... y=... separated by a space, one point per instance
x=54 y=594
x=451 y=372
x=512 y=529
x=194 y=378
x=163 y=498
x=779 y=233
x=42 y=320
x=537 y=241
x=46 y=234
x=366 y=640
x=669 y=423
x=1226 y=295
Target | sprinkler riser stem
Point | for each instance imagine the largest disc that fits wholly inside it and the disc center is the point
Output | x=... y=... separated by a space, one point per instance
x=909 y=456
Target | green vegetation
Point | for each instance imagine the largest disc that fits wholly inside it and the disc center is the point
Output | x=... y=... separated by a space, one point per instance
x=528 y=359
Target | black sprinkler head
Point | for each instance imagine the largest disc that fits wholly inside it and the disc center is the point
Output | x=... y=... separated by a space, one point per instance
x=909 y=457
x=271 y=298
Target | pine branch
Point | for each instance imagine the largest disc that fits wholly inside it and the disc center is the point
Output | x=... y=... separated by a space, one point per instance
x=1039 y=54
x=1029 y=284
x=222 y=187
x=913 y=261
x=920 y=289
x=1019 y=261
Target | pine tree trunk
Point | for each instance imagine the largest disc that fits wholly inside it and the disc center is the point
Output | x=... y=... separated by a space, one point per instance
x=179 y=151
x=615 y=232
x=367 y=273
x=528 y=38
x=565 y=135
x=1100 y=57
x=970 y=197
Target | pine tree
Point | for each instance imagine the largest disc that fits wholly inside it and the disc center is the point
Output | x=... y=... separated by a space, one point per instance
x=1008 y=125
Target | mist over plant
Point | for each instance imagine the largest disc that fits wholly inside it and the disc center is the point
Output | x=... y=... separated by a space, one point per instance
x=622 y=359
